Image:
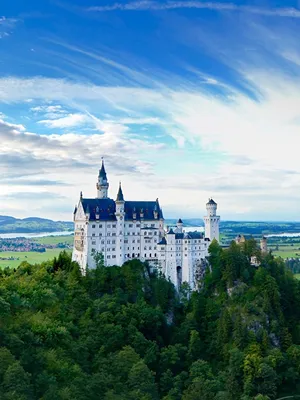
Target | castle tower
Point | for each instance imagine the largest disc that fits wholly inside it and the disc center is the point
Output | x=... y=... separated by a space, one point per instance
x=264 y=245
x=120 y=216
x=179 y=225
x=102 y=184
x=212 y=221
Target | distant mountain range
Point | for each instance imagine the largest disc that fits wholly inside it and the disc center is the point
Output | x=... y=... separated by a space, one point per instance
x=32 y=225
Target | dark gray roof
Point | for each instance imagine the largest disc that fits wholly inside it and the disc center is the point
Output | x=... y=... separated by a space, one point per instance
x=107 y=208
x=147 y=208
x=211 y=202
x=179 y=221
x=189 y=235
x=171 y=232
x=163 y=241
x=120 y=196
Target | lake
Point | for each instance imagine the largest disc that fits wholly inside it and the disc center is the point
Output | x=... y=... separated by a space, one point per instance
x=284 y=235
x=33 y=235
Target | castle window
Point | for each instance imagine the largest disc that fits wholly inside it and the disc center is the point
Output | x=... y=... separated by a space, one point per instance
x=108 y=242
x=138 y=225
x=155 y=255
x=185 y=241
x=108 y=233
x=152 y=225
x=102 y=250
x=155 y=233
x=100 y=226
x=145 y=248
x=128 y=255
x=93 y=226
x=133 y=233
x=138 y=241
x=125 y=240
x=113 y=226
x=185 y=255
x=93 y=234
x=185 y=248
x=145 y=233
x=100 y=234
x=108 y=249
x=133 y=241
x=150 y=255
x=102 y=241
x=154 y=247
x=132 y=255
x=145 y=255
x=130 y=225
x=114 y=256
x=162 y=248
x=92 y=250
x=108 y=226
x=128 y=248
x=108 y=257
x=113 y=249
x=93 y=242
x=150 y=233
x=113 y=234
x=113 y=242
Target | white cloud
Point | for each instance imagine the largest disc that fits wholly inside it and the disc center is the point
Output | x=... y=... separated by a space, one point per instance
x=66 y=122
x=171 y=5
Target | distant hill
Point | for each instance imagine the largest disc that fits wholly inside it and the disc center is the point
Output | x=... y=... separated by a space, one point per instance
x=10 y=224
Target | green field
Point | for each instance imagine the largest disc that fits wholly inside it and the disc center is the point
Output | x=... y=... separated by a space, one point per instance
x=31 y=257
x=67 y=239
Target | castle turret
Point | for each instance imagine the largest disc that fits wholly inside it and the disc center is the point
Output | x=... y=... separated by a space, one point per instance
x=102 y=184
x=179 y=226
x=212 y=221
x=264 y=245
x=120 y=216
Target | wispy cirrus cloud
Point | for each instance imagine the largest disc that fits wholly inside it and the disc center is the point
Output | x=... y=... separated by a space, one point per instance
x=6 y=26
x=218 y=6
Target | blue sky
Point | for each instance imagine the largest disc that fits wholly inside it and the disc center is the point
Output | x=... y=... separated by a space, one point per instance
x=185 y=100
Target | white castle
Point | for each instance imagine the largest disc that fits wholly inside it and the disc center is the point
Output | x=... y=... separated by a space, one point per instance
x=125 y=230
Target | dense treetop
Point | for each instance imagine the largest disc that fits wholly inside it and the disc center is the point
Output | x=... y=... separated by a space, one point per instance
x=125 y=334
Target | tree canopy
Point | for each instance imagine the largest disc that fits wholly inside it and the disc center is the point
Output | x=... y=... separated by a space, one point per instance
x=125 y=333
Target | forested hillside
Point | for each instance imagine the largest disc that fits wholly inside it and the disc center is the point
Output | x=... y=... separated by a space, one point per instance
x=32 y=225
x=124 y=334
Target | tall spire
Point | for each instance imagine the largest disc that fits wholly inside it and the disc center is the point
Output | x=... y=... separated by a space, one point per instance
x=102 y=184
x=102 y=172
x=120 y=196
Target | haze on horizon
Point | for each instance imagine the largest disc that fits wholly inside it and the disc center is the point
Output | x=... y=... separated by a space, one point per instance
x=184 y=100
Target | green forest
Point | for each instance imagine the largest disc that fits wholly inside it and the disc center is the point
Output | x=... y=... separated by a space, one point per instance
x=124 y=333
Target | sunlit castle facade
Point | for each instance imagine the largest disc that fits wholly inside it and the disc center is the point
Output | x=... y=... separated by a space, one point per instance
x=124 y=230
